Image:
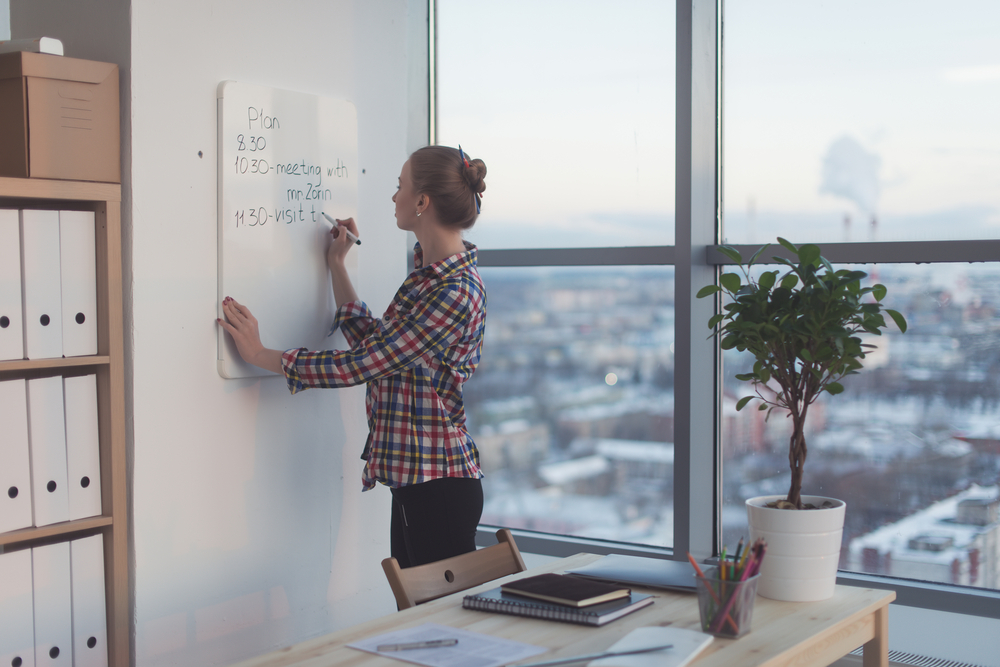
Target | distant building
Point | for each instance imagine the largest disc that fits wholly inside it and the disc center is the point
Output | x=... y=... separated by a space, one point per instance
x=587 y=475
x=633 y=462
x=515 y=444
x=956 y=541
x=742 y=432
x=626 y=469
x=638 y=416
x=982 y=432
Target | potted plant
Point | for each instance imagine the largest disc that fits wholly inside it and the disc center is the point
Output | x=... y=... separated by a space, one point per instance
x=803 y=329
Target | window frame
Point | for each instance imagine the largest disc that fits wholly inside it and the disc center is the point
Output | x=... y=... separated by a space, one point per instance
x=697 y=262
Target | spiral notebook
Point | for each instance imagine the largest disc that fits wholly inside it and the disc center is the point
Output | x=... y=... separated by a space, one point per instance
x=497 y=601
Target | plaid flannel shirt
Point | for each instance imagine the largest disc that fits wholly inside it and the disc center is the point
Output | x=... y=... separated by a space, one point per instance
x=414 y=361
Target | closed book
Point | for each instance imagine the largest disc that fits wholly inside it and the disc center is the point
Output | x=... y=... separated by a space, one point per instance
x=505 y=603
x=566 y=589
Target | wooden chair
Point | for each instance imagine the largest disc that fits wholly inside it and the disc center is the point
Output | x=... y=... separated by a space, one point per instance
x=422 y=583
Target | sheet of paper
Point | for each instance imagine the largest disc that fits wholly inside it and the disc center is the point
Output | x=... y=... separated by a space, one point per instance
x=686 y=645
x=472 y=650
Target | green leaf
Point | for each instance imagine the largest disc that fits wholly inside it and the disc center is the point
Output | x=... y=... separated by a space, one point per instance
x=898 y=319
x=745 y=377
x=805 y=354
x=742 y=403
x=789 y=281
x=835 y=388
x=731 y=253
x=718 y=317
x=809 y=253
x=731 y=282
x=757 y=254
x=879 y=292
x=708 y=289
x=791 y=248
x=766 y=280
x=729 y=342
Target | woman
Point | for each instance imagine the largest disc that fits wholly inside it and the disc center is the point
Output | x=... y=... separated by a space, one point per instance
x=414 y=359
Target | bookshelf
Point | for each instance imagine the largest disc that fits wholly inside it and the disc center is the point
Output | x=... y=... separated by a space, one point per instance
x=104 y=199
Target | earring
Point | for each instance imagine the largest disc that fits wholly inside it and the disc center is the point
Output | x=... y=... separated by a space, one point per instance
x=418 y=214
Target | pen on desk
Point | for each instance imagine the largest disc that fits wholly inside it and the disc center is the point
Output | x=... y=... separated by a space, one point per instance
x=434 y=643
x=596 y=656
x=351 y=236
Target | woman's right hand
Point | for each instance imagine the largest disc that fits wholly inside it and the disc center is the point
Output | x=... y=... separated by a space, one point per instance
x=243 y=327
x=340 y=244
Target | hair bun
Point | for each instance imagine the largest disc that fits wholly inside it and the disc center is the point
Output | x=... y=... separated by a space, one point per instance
x=475 y=175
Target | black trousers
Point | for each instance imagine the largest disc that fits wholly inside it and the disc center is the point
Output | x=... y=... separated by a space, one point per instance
x=435 y=520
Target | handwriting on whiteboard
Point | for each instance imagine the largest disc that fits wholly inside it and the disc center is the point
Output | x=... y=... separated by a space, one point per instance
x=252 y=160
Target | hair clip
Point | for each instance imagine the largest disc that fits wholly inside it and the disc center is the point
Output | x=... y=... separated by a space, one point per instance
x=476 y=197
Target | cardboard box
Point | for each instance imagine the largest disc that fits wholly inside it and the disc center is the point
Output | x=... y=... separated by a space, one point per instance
x=59 y=118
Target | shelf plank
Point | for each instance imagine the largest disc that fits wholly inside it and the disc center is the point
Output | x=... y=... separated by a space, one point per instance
x=54 y=530
x=40 y=188
x=20 y=365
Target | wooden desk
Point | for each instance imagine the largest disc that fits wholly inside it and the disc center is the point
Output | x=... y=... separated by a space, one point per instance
x=783 y=634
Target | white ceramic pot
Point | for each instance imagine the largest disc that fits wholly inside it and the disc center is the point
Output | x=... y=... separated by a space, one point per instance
x=803 y=548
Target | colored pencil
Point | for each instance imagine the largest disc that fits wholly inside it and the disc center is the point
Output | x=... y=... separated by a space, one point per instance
x=708 y=586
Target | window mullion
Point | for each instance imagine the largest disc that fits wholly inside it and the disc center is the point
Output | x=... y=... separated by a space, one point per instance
x=696 y=488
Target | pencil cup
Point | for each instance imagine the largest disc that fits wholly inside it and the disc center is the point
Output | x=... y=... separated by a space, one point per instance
x=726 y=606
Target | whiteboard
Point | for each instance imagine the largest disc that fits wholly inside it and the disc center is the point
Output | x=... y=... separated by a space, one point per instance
x=284 y=157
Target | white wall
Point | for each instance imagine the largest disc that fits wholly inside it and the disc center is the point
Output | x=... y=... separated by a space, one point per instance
x=249 y=528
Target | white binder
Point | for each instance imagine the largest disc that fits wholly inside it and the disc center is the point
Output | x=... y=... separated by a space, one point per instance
x=17 y=632
x=83 y=461
x=40 y=284
x=90 y=636
x=47 y=440
x=78 y=269
x=53 y=606
x=11 y=316
x=15 y=473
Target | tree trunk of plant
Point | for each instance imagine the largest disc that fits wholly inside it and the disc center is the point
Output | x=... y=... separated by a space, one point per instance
x=797 y=459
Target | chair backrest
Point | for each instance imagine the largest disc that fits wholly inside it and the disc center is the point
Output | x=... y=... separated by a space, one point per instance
x=422 y=583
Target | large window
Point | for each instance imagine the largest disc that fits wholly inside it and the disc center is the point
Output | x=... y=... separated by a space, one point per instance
x=572 y=405
x=571 y=106
x=861 y=121
x=912 y=446
x=570 y=103
x=868 y=129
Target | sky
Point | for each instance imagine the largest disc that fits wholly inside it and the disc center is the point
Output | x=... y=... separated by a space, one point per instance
x=833 y=112
x=571 y=108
